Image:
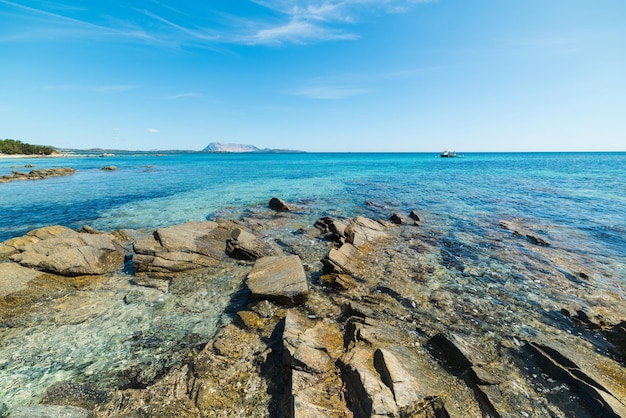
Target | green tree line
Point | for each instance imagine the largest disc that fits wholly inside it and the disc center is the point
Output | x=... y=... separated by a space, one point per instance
x=13 y=146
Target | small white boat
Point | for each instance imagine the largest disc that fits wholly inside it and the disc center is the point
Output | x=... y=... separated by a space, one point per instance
x=448 y=154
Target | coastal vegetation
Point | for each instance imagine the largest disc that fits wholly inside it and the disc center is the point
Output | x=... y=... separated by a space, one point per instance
x=13 y=146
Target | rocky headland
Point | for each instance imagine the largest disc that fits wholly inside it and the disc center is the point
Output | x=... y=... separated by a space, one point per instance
x=353 y=317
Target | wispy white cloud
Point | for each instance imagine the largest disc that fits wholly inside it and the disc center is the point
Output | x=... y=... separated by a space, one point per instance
x=153 y=130
x=342 y=86
x=51 y=25
x=187 y=95
x=319 y=20
x=160 y=23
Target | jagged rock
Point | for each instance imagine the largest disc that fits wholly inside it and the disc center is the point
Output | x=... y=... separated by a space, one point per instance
x=66 y=252
x=617 y=336
x=521 y=230
x=457 y=355
x=369 y=331
x=342 y=260
x=279 y=278
x=250 y=320
x=315 y=396
x=182 y=247
x=50 y=411
x=335 y=229
x=312 y=349
x=367 y=394
x=584 y=395
x=246 y=246
x=396 y=378
x=279 y=205
x=362 y=230
x=413 y=215
x=397 y=219
x=338 y=281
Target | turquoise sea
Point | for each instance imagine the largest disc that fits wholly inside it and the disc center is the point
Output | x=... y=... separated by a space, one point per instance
x=583 y=195
x=493 y=284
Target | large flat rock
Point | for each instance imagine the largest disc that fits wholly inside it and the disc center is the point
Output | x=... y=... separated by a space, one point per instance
x=181 y=247
x=14 y=278
x=279 y=278
x=62 y=251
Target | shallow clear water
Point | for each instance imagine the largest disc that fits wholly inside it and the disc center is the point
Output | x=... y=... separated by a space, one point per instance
x=577 y=200
x=582 y=192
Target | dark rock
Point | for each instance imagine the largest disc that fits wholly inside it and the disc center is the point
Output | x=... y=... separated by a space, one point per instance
x=109 y=168
x=520 y=230
x=279 y=205
x=71 y=394
x=397 y=219
x=617 y=336
x=456 y=353
x=279 y=278
x=584 y=395
x=413 y=215
x=246 y=246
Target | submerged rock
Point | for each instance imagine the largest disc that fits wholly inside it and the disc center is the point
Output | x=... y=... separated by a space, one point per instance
x=37 y=174
x=279 y=278
x=50 y=411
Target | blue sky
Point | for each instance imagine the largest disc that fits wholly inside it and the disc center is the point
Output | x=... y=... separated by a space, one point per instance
x=315 y=75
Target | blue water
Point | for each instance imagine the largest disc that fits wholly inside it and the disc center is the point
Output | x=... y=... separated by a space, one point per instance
x=577 y=201
x=582 y=193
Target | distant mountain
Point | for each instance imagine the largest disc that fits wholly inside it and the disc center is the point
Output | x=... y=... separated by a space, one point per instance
x=221 y=147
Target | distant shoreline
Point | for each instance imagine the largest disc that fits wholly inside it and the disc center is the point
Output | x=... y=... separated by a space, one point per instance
x=18 y=156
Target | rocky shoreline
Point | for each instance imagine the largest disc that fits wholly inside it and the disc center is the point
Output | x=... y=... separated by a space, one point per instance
x=345 y=318
x=37 y=174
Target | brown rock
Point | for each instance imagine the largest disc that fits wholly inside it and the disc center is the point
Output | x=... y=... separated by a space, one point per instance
x=178 y=248
x=370 y=396
x=279 y=278
x=246 y=246
x=73 y=254
x=362 y=230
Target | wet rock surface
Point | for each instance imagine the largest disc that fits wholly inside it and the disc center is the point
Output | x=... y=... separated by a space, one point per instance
x=341 y=318
x=37 y=174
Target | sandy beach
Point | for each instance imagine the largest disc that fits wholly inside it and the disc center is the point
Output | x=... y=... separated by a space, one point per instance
x=18 y=156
